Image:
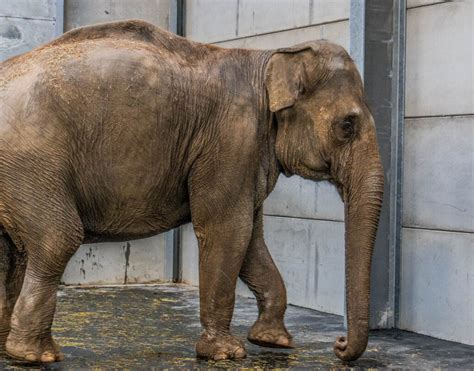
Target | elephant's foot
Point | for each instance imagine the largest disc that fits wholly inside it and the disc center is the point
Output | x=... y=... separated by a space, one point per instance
x=37 y=350
x=220 y=347
x=272 y=334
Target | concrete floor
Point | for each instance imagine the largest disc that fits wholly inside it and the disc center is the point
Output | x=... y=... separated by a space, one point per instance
x=156 y=326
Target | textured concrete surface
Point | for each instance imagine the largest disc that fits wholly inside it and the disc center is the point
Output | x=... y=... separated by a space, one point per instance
x=145 y=327
x=19 y=35
x=38 y=9
x=300 y=198
x=439 y=173
x=85 y=12
x=140 y=261
x=439 y=58
x=436 y=280
x=337 y=32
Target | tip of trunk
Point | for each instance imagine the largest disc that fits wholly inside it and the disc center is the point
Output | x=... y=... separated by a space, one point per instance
x=349 y=351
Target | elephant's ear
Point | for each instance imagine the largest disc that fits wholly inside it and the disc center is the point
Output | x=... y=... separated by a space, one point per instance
x=285 y=77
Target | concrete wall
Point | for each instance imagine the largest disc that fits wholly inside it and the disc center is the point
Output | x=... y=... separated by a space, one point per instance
x=437 y=256
x=25 y=24
x=83 y=12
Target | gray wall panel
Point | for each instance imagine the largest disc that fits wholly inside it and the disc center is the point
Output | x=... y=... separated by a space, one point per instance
x=322 y=11
x=141 y=261
x=217 y=21
x=97 y=264
x=262 y=16
x=337 y=32
x=18 y=35
x=84 y=12
x=38 y=9
x=211 y=20
x=439 y=72
x=301 y=198
x=310 y=257
x=437 y=283
x=190 y=255
x=439 y=180
x=150 y=259
x=415 y=3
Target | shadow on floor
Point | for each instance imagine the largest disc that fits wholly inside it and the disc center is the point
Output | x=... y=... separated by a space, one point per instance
x=157 y=326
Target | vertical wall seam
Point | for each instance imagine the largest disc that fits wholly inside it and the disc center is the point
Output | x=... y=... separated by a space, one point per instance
x=237 y=16
x=177 y=25
x=398 y=123
x=58 y=17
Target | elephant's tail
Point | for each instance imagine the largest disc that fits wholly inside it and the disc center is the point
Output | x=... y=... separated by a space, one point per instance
x=4 y=253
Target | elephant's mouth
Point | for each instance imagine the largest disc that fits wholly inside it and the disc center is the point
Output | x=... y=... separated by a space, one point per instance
x=285 y=170
x=312 y=174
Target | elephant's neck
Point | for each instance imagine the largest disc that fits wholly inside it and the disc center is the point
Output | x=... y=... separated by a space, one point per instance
x=269 y=165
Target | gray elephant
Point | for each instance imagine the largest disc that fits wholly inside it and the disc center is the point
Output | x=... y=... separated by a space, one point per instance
x=122 y=130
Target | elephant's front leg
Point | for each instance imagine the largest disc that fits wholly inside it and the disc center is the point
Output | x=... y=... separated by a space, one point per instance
x=222 y=211
x=264 y=280
x=222 y=248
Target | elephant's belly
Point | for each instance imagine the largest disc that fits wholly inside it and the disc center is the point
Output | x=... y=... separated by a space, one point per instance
x=124 y=218
x=129 y=226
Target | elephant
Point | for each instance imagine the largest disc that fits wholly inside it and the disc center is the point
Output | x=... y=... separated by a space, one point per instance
x=122 y=130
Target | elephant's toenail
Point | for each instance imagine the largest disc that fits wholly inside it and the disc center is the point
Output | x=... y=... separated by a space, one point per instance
x=240 y=353
x=31 y=357
x=48 y=357
x=220 y=356
x=282 y=340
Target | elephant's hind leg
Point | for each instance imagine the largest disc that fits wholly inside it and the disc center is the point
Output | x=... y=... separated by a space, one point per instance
x=53 y=235
x=264 y=280
x=12 y=271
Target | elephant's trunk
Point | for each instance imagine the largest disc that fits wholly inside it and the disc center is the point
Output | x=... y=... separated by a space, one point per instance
x=363 y=192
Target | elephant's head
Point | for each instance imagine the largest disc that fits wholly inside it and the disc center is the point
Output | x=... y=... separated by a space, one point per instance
x=326 y=131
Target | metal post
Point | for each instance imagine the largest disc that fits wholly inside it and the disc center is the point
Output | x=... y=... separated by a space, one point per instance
x=377 y=36
x=176 y=25
x=177 y=17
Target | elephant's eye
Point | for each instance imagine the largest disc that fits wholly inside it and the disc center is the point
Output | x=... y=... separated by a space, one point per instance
x=345 y=129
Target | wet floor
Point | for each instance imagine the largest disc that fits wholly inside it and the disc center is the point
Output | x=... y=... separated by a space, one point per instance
x=157 y=326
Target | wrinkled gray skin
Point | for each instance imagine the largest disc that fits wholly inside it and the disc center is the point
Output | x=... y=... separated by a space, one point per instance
x=123 y=130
